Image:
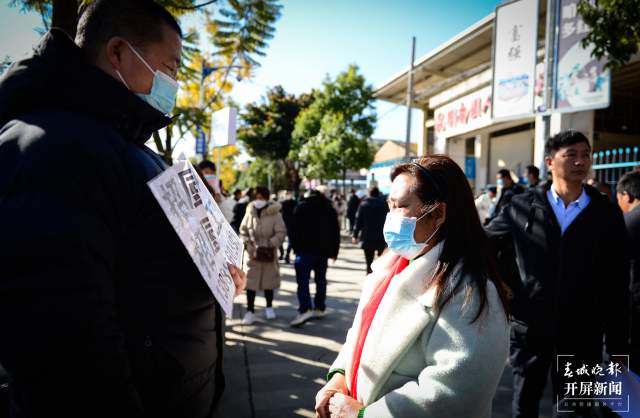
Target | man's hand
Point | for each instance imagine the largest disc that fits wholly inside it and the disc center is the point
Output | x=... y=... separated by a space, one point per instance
x=239 y=278
x=337 y=384
x=354 y=240
x=343 y=406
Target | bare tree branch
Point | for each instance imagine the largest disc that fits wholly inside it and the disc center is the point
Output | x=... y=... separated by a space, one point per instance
x=197 y=6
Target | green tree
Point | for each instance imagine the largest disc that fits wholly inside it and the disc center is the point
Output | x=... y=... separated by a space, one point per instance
x=267 y=127
x=257 y=174
x=331 y=136
x=615 y=29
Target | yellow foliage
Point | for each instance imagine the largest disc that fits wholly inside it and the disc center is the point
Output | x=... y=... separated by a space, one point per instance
x=227 y=172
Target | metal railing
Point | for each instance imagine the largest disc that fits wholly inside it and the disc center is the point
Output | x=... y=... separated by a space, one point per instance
x=612 y=164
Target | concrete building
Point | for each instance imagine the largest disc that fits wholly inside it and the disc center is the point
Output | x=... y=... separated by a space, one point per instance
x=390 y=153
x=454 y=80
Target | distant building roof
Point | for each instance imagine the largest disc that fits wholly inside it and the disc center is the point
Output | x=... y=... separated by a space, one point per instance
x=393 y=150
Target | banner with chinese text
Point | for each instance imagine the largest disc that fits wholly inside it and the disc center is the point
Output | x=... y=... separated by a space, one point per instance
x=581 y=82
x=466 y=114
x=514 y=59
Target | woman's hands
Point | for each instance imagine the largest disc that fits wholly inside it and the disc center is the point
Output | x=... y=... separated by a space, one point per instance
x=343 y=406
x=337 y=384
x=239 y=278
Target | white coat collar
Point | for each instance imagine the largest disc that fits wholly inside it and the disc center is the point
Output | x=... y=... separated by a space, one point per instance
x=404 y=312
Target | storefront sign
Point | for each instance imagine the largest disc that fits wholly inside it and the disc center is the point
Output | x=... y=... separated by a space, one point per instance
x=466 y=114
x=581 y=81
x=514 y=59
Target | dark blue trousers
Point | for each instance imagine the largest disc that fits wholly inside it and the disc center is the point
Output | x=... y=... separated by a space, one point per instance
x=304 y=265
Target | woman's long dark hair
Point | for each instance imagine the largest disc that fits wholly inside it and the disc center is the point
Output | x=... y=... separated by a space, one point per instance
x=439 y=179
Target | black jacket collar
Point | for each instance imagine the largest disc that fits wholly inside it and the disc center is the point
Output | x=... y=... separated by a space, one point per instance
x=540 y=195
x=58 y=77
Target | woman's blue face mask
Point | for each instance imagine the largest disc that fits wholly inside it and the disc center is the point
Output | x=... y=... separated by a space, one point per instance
x=399 y=235
x=163 y=90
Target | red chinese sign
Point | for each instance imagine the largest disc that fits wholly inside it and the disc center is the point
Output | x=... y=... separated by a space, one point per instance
x=465 y=114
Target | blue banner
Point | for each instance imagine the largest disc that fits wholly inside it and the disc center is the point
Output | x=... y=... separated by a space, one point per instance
x=200 y=142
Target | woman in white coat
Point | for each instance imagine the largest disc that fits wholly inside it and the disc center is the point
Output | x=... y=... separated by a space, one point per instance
x=430 y=337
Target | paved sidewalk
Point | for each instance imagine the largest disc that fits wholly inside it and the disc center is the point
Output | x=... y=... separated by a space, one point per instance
x=274 y=370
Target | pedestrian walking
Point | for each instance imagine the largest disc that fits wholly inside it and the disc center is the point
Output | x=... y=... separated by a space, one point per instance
x=316 y=239
x=341 y=209
x=507 y=188
x=432 y=313
x=262 y=231
x=240 y=209
x=533 y=176
x=485 y=204
x=209 y=171
x=102 y=310
x=369 y=223
x=288 y=207
x=352 y=209
x=628 y=195
x=569 y=244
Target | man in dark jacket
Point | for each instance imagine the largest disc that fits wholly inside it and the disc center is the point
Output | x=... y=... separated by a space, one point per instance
x=288 y=207
x=315 y=238
x=628 y=194
x=240 y=209
x=352 y=209
x=507 y=188
x=533 y=176
x=571 y=275
x=102 y=311
x=369 y=225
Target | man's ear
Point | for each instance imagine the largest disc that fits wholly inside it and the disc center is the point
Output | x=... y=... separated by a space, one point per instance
x=628 y=199
x=114 y=50
x=548 y=160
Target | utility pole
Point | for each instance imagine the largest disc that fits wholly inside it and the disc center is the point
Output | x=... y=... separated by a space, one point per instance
x=407 y=143
x=547 y=98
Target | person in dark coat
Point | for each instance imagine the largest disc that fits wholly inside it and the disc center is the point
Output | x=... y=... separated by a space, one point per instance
x=240 y=209
x=315 y=237
x=103 y=313
x=533 y=176
x=571 y=276
x=507 y=188
x=628 y=195
x=288 y=207
x=369 y=225
x=352 y=209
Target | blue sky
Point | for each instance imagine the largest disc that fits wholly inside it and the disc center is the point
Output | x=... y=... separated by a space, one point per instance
x=319 y=37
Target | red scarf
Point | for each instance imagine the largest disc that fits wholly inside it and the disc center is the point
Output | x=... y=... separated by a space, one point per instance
x=368 y=313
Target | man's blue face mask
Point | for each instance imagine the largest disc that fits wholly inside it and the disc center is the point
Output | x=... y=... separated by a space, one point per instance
x=163 y=90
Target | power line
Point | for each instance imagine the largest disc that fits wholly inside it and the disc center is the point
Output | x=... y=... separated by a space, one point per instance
x=389 y=111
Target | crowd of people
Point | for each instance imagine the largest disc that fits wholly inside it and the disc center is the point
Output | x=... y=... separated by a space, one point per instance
x=103 y=313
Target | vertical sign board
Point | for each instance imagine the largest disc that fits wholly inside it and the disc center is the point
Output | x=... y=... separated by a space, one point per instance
x=470 y=167
x=194 y=215
x=200 y=142
x=223 y=127
x=581 y=82
x=514 y=59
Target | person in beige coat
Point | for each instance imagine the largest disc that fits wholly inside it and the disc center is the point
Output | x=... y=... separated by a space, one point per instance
x=262 y=230
x=430 y=337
